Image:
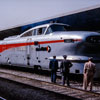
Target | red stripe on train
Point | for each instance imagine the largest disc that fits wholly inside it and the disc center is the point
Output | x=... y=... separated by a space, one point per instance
x=4 y=47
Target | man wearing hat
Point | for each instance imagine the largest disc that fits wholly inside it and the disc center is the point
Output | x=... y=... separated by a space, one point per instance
x=53 y=65
x=65 y=69
x=89 y=71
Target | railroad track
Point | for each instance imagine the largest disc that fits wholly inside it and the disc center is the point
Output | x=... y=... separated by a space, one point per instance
x=25 y=78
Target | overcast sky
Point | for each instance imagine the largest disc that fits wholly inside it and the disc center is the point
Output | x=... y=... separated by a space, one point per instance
x=15 y=13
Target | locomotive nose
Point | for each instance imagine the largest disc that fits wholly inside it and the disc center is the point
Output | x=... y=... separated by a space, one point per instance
x=92 y=45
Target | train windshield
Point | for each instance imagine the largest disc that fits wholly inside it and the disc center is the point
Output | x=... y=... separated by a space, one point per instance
x=55 y=28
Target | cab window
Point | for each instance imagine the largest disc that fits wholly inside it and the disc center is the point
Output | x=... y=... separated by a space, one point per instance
x=49 y=30
x=58 y=28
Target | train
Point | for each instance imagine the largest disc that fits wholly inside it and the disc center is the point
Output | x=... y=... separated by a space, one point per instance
x=35 y=47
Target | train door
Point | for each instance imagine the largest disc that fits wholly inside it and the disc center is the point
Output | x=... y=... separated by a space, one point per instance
x=37 y=32
x=41 y=49
x=28 y=51
x=32 y=56
x=36 y=48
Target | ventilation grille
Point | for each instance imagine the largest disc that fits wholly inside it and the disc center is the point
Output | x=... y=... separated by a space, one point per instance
x=93 y=39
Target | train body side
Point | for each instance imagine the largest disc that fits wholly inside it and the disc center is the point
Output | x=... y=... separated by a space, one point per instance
x=36 y=50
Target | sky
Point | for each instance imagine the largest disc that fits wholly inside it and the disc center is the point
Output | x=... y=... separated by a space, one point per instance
x=14 y=13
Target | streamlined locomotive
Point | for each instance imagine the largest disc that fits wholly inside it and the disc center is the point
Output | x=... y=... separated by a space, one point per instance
x=36 y=46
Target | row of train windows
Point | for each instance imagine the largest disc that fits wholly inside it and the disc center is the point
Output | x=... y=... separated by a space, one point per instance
x=38 y=31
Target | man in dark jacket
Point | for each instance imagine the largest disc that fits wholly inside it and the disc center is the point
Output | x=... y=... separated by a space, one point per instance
x=65 y=69
x=53 y=65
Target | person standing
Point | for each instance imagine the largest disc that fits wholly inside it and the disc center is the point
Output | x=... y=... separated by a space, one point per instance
x=89 y=71
x=65 y=69
x=53 y=65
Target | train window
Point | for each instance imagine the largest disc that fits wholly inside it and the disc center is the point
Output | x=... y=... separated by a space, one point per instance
x=29 y=33
x=34 y=32
x=41 y=30
x=49 y=30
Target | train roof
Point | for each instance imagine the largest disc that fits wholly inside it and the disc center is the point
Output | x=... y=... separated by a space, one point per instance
x=48 y=24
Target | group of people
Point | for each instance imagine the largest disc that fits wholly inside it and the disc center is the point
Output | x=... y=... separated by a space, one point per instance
x=64 y=69
x=89 y=71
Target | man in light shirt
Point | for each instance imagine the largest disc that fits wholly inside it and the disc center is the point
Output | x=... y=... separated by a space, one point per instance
x=89 y=71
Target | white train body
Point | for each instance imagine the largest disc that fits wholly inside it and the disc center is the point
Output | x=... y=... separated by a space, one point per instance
x=32 y=49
